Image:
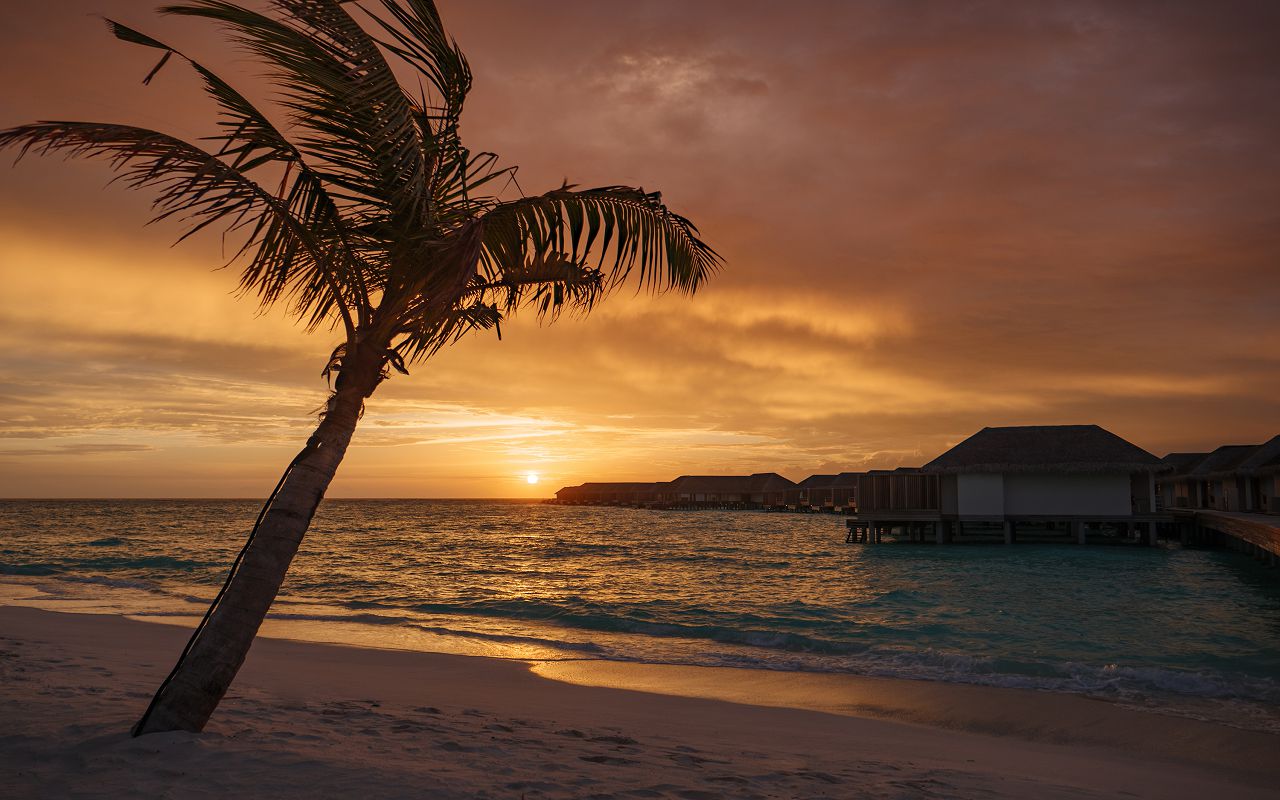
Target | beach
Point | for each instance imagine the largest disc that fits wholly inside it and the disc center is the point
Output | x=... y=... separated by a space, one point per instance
x=315 y=720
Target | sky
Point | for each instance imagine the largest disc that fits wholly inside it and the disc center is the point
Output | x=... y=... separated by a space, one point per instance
x=935 y=216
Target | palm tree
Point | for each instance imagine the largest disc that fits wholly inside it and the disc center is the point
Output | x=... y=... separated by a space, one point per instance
x=370 y=218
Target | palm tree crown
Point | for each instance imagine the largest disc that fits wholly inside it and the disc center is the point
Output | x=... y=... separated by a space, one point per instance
x=372 y=214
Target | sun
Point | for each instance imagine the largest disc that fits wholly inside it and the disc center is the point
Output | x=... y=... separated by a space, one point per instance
x=532 y=477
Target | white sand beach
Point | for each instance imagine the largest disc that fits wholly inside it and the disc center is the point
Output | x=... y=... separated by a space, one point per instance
x=315 y=720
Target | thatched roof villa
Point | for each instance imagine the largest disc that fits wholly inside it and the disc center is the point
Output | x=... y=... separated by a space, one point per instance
x=1046 y=470
x=616 y=493
x=1060 y=476
x=762 y=488
x=1232 y=478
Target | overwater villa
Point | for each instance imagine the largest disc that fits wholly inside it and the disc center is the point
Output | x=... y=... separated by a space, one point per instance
x=1235 y=477
x=607 y=494
x=1230 y=496
x=1041 y=482
x=834 y=493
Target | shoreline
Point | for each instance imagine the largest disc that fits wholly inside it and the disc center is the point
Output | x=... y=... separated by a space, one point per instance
x=71 y=676
x=941 y=702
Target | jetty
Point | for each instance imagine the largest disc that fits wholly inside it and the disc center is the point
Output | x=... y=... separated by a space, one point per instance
x=1255 y=534
x=1228 y=497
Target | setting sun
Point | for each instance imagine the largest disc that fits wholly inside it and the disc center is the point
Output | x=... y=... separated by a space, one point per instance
x=532 y=477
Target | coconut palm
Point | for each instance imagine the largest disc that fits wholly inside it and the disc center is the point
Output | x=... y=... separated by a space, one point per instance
x=369 y=217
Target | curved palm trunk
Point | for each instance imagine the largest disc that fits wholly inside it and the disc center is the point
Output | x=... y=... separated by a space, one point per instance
x=203 y=676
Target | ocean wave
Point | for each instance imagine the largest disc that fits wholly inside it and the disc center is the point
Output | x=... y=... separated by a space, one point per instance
x=29 y=569
x=440 y=630
x=509 y=638
x=578 y=613
x=109 y=541
x=115 y=583
x=1110 y=681
x=148 y=562
x=363 y=619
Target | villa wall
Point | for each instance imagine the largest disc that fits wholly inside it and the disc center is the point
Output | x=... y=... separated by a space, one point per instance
x=980 y=494
x=1101 y=495
x=948 y=494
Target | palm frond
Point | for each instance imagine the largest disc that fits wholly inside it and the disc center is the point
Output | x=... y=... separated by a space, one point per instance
x=250 y=141
x=417 y=35
x=358 y=124
x=420 y=338
x=549 y=284
x=291 y=254
x=627 y=229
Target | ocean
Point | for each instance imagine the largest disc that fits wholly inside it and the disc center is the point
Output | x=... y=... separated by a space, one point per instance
x=1170 y=630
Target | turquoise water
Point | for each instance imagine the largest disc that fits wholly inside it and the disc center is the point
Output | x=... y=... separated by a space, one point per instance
x=1186 y=630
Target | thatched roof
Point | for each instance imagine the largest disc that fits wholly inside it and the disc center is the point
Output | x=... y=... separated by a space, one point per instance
x=732 y=484
x=769 y=482
x=1183 y=463
x=1045 y=448
x=1224 y=460
x=817 y=482
x=1230 y=459
x=841 y=480
x=1264 y=458
x=715 y=484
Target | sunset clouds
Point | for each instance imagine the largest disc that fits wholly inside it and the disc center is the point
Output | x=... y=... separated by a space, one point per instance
x=935 y=216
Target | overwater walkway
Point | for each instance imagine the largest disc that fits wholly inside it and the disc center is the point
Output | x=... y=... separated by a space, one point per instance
x=1256 y=533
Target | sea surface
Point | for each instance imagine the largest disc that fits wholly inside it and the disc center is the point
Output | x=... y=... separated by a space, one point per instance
x=1182 y=631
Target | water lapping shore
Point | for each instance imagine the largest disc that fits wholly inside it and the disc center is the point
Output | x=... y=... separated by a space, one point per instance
x=1180 y=631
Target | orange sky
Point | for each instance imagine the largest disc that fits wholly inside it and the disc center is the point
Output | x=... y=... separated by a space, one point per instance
x=935 y=216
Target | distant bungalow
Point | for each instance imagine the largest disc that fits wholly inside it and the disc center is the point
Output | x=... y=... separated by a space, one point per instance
x=824 y=493
x=761 y=490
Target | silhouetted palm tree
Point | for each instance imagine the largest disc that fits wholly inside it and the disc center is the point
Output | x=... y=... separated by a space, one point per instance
x=371 y=218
